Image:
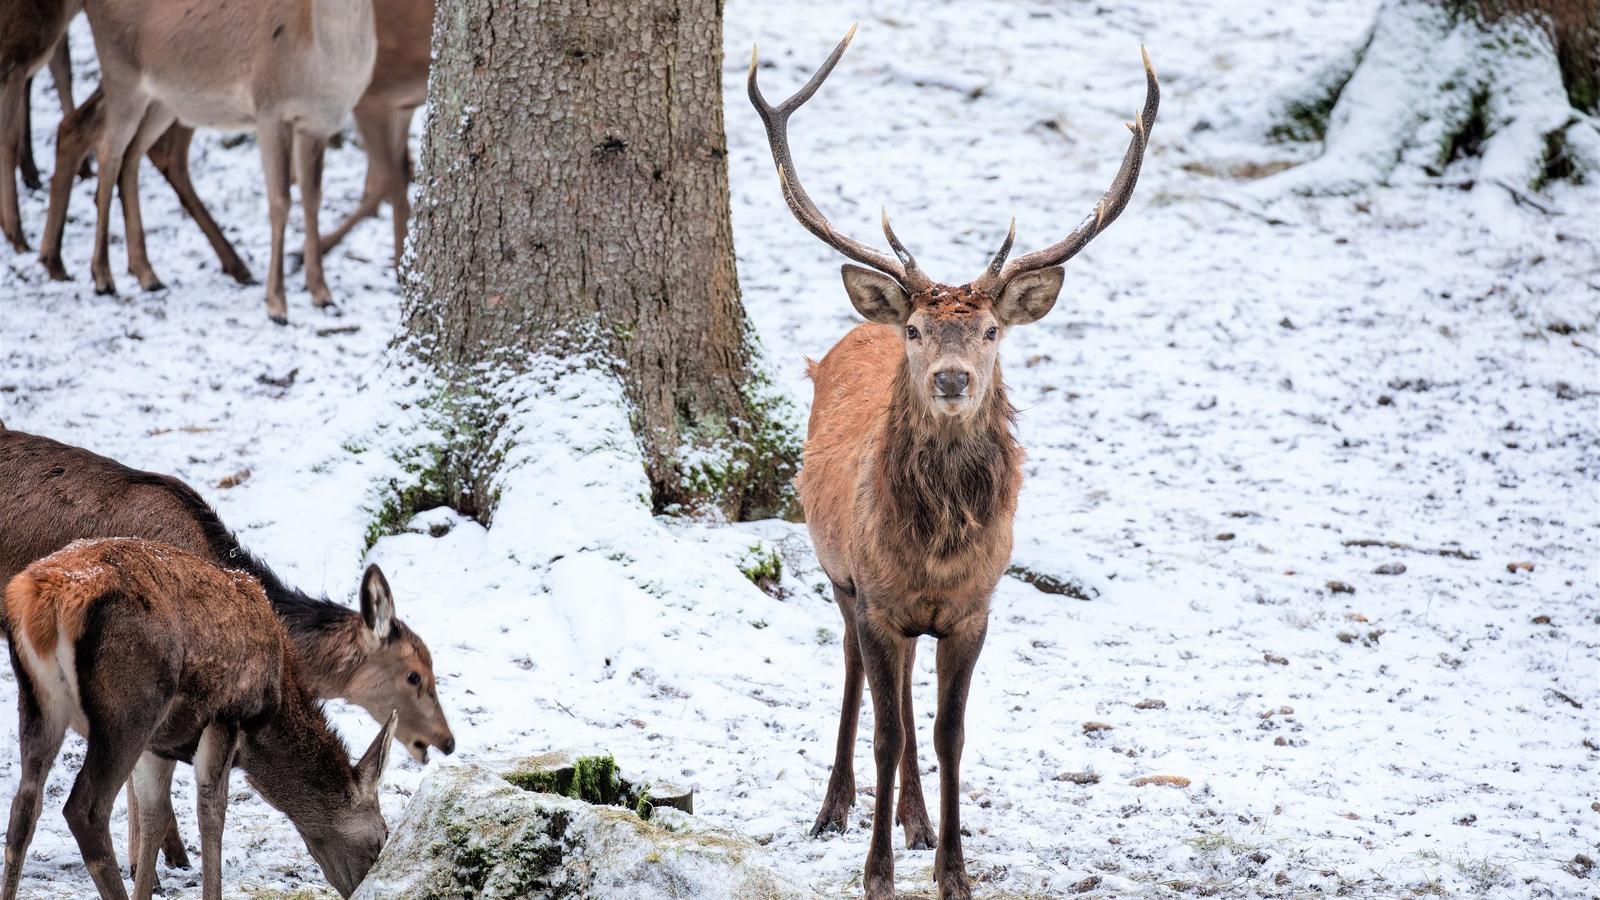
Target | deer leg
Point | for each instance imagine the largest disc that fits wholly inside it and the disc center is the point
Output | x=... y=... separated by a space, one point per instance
x=113 y=751
x=61 y=74
x=122 y=125
x=213 y=762
x=375 y=138
x=309 y=151
x=152 y=779
x=39 y=738
x=13 y=98
x=155 y=123
x=912 y=810
x=76 y=137
x=958 y=656
x=275 y=139
x=170 y=153
x=835 y=814
x=400 y=184
x=882 y=654
x=25 y=162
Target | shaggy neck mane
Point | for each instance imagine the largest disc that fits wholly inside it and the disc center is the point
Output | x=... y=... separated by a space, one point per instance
x=944 y=482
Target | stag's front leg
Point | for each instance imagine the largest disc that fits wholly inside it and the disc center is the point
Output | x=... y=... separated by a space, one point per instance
x=958 y=655
x=275 y=140
x=213 y=761
x=912 y=810
x=882 y=652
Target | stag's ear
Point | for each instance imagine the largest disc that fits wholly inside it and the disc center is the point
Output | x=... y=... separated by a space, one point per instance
x=876 y=296
x=369 y=771
x=377 y=604
x=1027 y=297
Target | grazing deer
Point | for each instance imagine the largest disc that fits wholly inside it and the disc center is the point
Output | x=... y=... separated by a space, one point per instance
x=32 y=30
x=76 y=137
x=52 y=494
x=910 y=481
x=290 y=69
x=156 y=655
x=383 y=114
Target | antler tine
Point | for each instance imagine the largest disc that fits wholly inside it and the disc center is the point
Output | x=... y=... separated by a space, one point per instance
x=1115 y=199
x=776 y=120
x=913 y=275
x=990 y=279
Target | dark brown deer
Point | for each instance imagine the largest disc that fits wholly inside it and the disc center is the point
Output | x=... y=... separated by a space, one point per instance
x=32 y=30
x=76 y=137
x=52 y=494
x=158 y=656
x=909 y=484
x=383 y=114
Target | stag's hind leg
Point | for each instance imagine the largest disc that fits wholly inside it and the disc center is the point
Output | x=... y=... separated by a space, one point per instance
x=912 y=809
x=170 y=153
x=835 y=814
x=39 y=735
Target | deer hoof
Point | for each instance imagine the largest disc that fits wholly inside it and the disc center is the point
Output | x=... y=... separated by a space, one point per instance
x=240 y=274
x=152 y=285
x=54 y=268
x=831 y=820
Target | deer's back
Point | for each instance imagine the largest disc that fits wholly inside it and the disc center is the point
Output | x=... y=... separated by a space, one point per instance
x=52 y=494
x=853 y=387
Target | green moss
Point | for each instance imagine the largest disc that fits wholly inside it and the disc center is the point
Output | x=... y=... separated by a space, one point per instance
x=592 y=779
x=763 y=566
x=1305 y=118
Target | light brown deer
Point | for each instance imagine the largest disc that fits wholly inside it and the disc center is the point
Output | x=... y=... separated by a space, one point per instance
x=31 y=31
x=157 y=655
x=55 y=494
x=909 y=484
x=76 y=137
x=383 y=115
x=290 y=69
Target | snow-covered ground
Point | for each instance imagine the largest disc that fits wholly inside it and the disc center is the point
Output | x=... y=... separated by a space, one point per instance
x=1218 y=406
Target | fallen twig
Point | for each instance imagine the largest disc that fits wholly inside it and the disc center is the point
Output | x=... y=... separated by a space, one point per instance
x=1451 y=552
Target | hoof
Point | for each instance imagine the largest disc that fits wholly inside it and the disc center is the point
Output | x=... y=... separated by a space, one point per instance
x=330 y=309
x=152 y=286
x=279 y=318
x=920 y=839
x=106 y=290
x=834 y=821
x=55 y=269
x=240 y=274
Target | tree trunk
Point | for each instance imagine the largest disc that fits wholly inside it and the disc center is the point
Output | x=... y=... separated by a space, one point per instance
x=1510 y=85
x=575 y=203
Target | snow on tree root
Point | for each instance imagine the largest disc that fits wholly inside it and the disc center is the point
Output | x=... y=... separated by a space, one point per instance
x=1429 y=85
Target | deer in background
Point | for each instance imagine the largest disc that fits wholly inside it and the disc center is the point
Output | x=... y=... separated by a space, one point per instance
x=290 y=69
x=910 y=480
x=157 y=655
x=61 y=73
x=33 y=30
x=52 y=494
x=383 y=115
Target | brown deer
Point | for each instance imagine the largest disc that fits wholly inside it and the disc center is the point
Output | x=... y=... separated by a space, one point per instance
x=909 y=483
x=157 y=655
x=52 y=494
x=290 y=69
x=61 y=73
x=76 y=137
x=383 y=114
x=32 y=30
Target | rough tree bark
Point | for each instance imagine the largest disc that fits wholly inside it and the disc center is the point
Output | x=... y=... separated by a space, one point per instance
x=1511 y=84
x=575 y=202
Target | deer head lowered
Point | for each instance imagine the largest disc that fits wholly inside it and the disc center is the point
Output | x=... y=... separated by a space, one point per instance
x=910 y=480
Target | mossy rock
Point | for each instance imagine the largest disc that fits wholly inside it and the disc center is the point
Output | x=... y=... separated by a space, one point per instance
x=513 y=829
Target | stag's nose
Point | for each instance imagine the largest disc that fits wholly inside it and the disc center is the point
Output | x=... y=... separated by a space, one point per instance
x=950 y=383
x=448 y=747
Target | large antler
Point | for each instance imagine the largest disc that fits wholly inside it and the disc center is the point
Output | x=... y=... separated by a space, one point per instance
x=1105 y=212
x=776 y=118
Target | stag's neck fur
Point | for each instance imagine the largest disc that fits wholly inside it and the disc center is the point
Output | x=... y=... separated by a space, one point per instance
x=946 y=487
x=294 y=759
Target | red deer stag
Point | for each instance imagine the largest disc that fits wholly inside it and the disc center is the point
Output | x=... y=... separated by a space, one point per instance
x=383 y=115
x=52 y=494
x=290 y=69
x=32 y=30
x=156 y=655
x=910 y=481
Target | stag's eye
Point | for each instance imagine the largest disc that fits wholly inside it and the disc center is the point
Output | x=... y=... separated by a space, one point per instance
x=413 y=678
x=912 y=333
x=992 y=333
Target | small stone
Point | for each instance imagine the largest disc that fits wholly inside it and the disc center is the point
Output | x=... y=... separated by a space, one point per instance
x=1079 y=777
x=1516 y=567
x=1390 y=569
x=1280 y=879
x=1339 y=587
x=1092 y=727
x=1150 y=704
x=1541 y=620
x=1385 y=400
x=1346 y=637
x=1281 y=741
x=1275 y=659
x=1086 y=885
x=1225 y=536
x=1177 y=781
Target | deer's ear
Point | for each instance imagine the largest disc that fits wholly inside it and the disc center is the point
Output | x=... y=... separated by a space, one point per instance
x=369 y=771
x=876 y=296
x=1027 y=297
x=377 y=604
